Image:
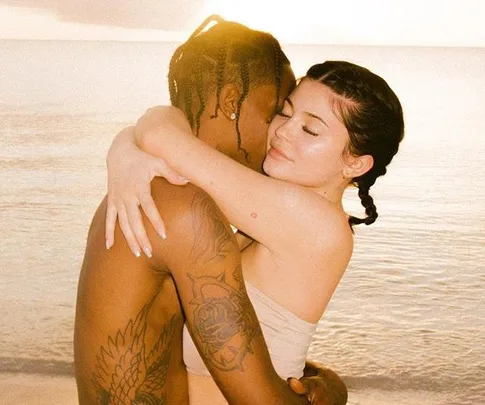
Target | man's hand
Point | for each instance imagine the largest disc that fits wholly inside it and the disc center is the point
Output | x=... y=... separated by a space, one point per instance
x=321 y=385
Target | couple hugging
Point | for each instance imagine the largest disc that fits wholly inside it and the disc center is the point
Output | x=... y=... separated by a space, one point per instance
x=182 y=309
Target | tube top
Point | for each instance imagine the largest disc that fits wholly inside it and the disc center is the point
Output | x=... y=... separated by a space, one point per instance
x=287 y=337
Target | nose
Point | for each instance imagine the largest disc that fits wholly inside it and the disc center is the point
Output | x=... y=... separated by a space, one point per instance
x=286 y=129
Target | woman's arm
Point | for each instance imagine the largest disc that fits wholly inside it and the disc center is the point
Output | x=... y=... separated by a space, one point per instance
x=130 y=171
x=258 y=205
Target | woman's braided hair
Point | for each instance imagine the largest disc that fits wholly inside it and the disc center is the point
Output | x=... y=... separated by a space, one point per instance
x=373 y=116
x=227 y=52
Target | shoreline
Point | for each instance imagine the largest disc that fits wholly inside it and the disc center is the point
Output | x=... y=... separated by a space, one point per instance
x=44 y=389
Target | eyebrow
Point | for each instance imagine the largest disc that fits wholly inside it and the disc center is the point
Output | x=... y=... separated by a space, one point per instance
x=288 y=100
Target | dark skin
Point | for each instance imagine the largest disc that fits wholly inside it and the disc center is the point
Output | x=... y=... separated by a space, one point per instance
x=127 y=314
x=321 y=385
x=128 y=320
x=130 y=311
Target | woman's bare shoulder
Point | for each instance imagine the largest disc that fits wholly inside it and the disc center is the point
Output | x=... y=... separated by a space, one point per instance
x=326 y=235
x=324 y=220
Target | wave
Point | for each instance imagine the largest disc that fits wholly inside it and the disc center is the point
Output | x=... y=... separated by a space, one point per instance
x=33 y=366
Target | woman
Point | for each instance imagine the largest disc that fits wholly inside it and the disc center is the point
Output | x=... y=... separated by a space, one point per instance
x=342 y=125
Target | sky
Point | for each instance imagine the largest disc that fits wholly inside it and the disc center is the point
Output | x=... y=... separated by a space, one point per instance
x=360 y=22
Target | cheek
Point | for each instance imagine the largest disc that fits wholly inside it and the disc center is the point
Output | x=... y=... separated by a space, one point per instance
x=253 y=134
x=322 y=155
x=256 y=133
x=255 y=129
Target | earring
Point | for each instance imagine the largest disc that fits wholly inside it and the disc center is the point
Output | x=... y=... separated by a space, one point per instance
x=233 y=116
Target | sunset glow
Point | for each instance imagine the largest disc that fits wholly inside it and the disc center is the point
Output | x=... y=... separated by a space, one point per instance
x=373 y=22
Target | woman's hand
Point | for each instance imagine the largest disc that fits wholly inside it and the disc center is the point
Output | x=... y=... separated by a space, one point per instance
x=130 y=171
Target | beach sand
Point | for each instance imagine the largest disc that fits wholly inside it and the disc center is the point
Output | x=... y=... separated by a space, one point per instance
x=36 y=389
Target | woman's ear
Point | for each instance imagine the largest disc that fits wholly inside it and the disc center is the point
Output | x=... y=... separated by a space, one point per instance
x=228 y=100
x=358 y=165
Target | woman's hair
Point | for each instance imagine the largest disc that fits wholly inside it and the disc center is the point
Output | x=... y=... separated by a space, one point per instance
x=227 y=52
x=373 y=116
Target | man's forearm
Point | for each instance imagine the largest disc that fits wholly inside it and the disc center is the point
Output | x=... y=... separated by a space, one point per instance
x=219 y=314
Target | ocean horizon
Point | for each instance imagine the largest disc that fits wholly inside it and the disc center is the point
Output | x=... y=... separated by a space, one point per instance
x=409 y=314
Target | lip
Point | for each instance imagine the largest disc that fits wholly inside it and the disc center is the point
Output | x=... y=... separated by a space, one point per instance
x=277 y=153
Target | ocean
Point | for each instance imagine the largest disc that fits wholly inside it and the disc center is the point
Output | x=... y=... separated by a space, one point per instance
x=407 y=323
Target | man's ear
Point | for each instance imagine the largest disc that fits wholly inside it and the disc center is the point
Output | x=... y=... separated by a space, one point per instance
x=358 y=165
x=228 y=100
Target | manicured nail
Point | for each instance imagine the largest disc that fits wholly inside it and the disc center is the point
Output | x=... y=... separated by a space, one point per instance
x=108 y=245
x=148 y=252
x=184 y=179
x=162 y=233
x=137 y=253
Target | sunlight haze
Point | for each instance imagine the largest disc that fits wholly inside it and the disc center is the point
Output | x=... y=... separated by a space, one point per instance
x=371 y=22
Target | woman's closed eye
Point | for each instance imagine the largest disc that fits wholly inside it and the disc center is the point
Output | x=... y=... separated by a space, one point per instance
x=309 y=131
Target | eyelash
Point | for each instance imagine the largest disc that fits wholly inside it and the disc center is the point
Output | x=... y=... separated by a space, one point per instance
x=305 y=128
x=308 y=131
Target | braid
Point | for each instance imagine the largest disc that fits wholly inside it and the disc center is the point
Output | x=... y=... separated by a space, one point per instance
x=205 y=23
x=373 y=117
x=172 y=84
x=221 y=64
x=278 y=70
x=368 y=203
x=199 y=85
x=245 y=82
x=188 y=102
x=213 y=56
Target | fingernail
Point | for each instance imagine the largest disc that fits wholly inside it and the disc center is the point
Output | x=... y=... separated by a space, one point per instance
x=148 y=252
x=184 y=179
x=162 y=234
x=137 y=253
x=108 y=245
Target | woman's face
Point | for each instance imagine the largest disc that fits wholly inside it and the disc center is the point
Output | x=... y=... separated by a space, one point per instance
x=306 y=140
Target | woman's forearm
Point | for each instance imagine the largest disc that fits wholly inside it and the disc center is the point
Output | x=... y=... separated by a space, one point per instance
x=246 y=197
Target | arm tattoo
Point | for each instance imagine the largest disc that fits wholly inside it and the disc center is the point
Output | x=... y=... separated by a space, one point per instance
x=210 y=233
x=221 y=311
x=221 y=320
x=126 y=371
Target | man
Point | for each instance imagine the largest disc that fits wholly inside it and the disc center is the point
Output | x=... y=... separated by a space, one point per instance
x=129 y=318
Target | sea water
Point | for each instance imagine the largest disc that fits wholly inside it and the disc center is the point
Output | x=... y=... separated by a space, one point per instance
x=407 y=322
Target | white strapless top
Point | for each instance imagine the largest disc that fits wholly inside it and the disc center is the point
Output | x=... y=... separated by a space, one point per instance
x=287 y=337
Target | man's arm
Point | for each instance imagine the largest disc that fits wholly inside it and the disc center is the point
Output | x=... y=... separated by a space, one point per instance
x=203 y=257
x=128 y=329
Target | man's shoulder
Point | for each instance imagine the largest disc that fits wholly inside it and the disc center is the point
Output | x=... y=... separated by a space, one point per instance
x=179 y=203
x=195 y=225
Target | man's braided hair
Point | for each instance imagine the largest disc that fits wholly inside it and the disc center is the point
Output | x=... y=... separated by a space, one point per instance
x=227 y=52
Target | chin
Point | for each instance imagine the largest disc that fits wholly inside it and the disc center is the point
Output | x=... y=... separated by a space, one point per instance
x=273 y=169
